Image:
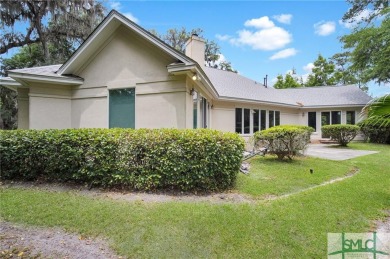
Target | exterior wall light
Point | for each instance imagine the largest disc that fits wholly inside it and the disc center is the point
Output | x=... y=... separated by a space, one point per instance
x=194 y=77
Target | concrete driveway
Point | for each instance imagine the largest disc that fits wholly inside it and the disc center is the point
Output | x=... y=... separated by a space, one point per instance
x=326 y=151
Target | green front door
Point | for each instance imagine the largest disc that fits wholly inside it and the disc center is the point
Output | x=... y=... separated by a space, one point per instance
x=122 y=108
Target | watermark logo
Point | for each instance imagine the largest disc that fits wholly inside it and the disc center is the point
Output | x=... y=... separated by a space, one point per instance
x=359 y=245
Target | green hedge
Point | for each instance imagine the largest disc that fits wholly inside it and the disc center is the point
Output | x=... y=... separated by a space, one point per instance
x=342 y=133
x=143 y=159
x=284 y=140
x=376 y=129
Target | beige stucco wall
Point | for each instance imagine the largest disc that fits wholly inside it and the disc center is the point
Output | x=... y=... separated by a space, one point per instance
x=23 y=108
x=49 y=106
x=128 y=61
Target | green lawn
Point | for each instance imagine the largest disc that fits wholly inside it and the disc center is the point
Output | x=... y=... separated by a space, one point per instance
x=269 y=176
x=294 y=227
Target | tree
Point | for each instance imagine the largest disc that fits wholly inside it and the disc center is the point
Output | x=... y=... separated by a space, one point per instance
x=68 y=24
x=8 y=109
x=177 y=39
x=70 y=20
x=323 y=73
x=287 y=82
x=369 y=43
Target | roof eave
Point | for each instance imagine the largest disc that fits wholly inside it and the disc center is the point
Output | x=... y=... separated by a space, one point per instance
x=243 y=100
x=333 y=106
x=177 y=69
x=17 y=76
x=10 y=83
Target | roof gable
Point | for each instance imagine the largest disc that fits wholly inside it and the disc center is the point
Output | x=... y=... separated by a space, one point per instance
x=103 y=32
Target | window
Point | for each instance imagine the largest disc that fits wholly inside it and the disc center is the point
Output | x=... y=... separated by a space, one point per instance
x=256 y=120
x=204 y=112
x=277 y=118
x=271 y=121
x=263 y=118
x=122 y=108
x=195 y=110
x=325 y=118
x=350 y=117
x=273 y=118
x=312 y=120
x=243 y=121
x=201 y=111
x=247 y=121
x=336 y=117
x=248 y=124
x=238 y=120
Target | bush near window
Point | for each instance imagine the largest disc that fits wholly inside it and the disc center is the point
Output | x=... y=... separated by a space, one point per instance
x=187 y=160
x=285 y=140
x=376 y=129
x=343 y=134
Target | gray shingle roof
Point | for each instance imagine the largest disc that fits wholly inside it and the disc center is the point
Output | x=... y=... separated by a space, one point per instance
x=43 y=71
x=232 y=85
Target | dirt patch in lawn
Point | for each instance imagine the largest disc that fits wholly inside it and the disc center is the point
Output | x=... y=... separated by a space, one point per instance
x=18 y=241
x=153 y=197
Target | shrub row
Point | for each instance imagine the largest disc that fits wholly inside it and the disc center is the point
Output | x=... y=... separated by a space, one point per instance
x=376 y=129
x=143 y=159
x=342 y=133
x=284 y=140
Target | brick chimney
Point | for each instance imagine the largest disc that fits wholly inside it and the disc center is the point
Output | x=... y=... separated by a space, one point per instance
x=195 y=48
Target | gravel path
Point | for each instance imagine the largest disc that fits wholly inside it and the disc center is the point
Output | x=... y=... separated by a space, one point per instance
x=18 y=241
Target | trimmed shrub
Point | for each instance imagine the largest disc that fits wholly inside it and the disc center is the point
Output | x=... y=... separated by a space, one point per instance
x=187 y=160
x=376 y=129
x=284 y=140
x=342 y=133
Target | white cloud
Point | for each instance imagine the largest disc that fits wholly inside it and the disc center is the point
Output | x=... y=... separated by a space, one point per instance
x=115 y=5
x=131 y=17
x=353 y=23
x=283 y=18
x=266 y=39
x=260 y=23
x=223 y=37
x=308 y=67
x=324 y=28
x=284 y=54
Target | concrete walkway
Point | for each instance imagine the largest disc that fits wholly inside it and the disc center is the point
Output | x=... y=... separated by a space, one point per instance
x=332 y=153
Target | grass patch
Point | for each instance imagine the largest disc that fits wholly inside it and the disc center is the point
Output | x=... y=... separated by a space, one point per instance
x=270 y=176
x=295 y=227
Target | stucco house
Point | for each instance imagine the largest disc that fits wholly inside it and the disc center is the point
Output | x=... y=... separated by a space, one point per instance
x=123 y=76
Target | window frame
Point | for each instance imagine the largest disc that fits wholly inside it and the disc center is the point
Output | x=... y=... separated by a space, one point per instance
x=109 y=100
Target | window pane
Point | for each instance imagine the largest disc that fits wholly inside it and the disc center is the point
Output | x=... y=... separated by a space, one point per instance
x=350 y=117
x=195 y=115
x=277 y=118
x=247 y=121
x=312 y=120
x=271 y=119
x=205 y=113
x=325 y=118
x=239 y=120
x=336 y=117
x=122 y=108
x=263 y=119
x=256 y=120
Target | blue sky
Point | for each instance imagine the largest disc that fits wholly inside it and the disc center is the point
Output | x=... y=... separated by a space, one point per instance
x=257 y=37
